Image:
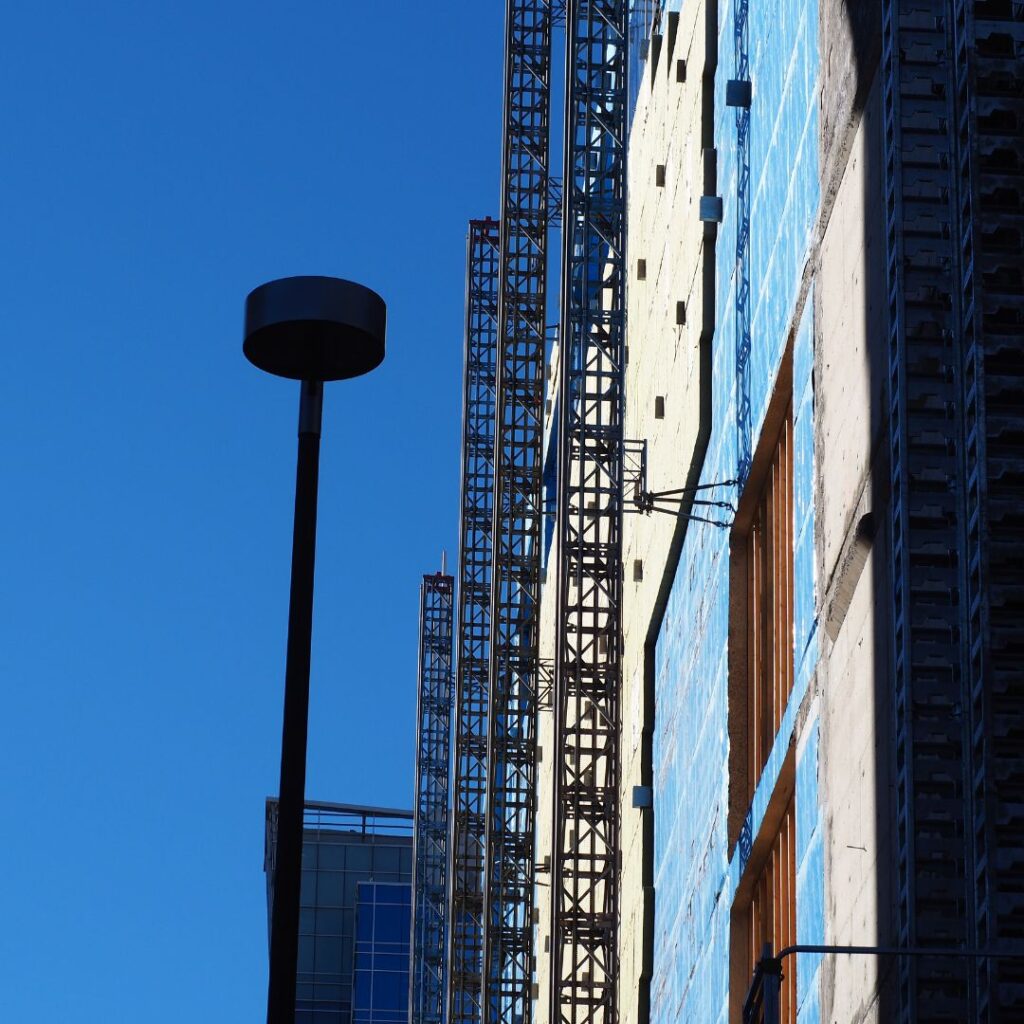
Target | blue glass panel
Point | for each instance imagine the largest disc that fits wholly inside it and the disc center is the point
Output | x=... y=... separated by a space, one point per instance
x=387 y=859
x=306 y=944
x=329 y=922
x=328 y=955
x=359 y=859
x=332 y=856
x=389 y=992
x=391 y=921
x=307 y=897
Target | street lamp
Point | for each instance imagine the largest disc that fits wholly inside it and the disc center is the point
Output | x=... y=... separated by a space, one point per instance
x=311 y=329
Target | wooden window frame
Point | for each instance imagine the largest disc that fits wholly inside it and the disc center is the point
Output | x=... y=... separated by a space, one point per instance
x=761 y=664
x=768 y=588
x=750 y=746
x=769 y=877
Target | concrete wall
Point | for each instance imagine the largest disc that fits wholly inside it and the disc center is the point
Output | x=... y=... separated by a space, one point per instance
x=852 y=520
x=662 y=408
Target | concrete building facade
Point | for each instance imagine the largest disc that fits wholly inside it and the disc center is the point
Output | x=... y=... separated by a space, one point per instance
x=744 y=351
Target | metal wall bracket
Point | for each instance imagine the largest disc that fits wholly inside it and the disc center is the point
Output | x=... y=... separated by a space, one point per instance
x=640 y=499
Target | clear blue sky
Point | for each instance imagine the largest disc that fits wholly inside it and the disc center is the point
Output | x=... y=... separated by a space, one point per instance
x=158 y=161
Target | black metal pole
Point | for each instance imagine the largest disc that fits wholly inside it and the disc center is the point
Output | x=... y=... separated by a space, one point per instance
x=284 y=922
x=771 y=986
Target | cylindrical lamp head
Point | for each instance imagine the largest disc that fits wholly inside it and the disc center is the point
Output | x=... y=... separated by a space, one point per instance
x=314 y=328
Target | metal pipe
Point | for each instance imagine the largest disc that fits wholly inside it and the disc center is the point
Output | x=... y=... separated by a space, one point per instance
x=769 y=969
x=284 y=923
x=937 y=952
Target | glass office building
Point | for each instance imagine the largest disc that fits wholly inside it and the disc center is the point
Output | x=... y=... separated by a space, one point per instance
x=354 y=917
x=383 y=926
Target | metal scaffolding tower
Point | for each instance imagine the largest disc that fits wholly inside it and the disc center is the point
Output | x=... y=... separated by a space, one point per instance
x=588 y=659
x=990 y=87
x=468 y=827
x=430 y=838
x=954 y=140
x=518 y=465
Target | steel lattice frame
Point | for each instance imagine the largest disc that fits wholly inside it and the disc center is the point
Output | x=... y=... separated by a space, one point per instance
x=518 y=511
x=469 y=790
x=954 y=134
x=588 y=663
x=989 y=42
x=927 y=611
x=430 y=838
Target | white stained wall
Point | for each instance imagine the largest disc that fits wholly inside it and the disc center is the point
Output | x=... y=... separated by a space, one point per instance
x=851 y=472
x=662 y=407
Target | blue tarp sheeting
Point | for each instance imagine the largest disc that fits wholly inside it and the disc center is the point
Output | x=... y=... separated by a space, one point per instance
x=756 y=301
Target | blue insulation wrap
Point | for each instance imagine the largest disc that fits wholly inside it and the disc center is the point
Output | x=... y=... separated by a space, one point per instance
x=771 y=190
x=810 y=873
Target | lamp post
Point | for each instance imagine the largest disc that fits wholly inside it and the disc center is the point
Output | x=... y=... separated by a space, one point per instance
x=310 y=329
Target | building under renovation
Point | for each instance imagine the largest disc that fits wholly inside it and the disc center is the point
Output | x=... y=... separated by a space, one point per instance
x=736 y=723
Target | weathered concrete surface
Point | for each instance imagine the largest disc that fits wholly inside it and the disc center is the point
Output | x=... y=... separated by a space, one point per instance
x=852 y=499
x=666 y=250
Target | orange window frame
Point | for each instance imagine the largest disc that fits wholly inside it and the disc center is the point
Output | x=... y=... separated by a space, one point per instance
x=769 y=568
x=773 y=910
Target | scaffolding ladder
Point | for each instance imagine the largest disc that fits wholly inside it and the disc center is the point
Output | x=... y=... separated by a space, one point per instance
x=430 y=834
x=469 y=765
x=518 y=511
x=588 y=658
x=954 y=160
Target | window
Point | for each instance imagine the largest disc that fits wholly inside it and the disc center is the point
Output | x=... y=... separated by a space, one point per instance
x=771 y=915
x=760 y=687
x=769 y=605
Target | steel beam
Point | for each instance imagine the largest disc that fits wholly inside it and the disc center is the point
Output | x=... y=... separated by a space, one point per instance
x=469 y=789
x=518 y=513
x=427 y=979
